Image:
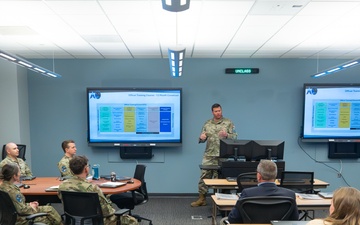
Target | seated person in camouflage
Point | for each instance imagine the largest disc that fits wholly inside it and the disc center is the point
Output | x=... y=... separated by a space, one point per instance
x=69 y=149
x=79 y=166
x=12 y=157
x=10 y=174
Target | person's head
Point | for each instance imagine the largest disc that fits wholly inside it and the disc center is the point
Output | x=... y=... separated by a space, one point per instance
x=9 y=171
x=216 y=111
x=266 y=171
x=79 y=165
x=345 y=207
x=69 y=147
x=12 y=150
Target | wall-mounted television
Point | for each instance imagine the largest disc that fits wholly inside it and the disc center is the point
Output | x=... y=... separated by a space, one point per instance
x=134 y=117
x=331 y=112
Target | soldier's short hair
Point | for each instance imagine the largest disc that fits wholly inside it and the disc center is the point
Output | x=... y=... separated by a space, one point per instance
x=78 y=163
x=65 y=143
x=216 y=105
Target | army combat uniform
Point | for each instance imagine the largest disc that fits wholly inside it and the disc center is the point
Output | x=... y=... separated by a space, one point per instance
x=18 y=199
x=211 y=154
x=82 y=185
x=24 y=168
x=64 y=167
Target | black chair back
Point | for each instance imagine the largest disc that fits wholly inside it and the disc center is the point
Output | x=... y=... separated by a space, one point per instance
x=245 y=180
x=264 y=209
x=22 y=151
x=141 y=193
x=300 y=182
x=8 y=213
x=82 y=206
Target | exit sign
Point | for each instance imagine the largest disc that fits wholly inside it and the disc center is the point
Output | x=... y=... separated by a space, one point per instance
x=242 y=70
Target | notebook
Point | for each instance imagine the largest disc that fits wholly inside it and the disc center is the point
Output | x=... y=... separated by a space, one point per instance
x=277 y=222
x=112 y=184
x=326 y=194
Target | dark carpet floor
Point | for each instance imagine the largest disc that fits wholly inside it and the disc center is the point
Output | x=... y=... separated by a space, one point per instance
x=174 y=210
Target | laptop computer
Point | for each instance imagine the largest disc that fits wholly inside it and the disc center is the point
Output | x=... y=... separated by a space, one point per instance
x=19 y=185
x=27 y=177
x=118 y=178
x=286 y=222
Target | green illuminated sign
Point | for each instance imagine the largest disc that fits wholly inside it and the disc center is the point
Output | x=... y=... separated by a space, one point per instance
x=242 y=70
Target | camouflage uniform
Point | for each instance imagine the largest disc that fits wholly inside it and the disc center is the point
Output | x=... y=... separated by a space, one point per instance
x=64 y=167
x=211 y=154
x=18 y=199
x=24 y=168
x=82 y=185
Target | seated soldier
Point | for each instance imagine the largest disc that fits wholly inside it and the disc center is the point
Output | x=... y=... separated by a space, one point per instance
x=12 y=152
x=79 y=166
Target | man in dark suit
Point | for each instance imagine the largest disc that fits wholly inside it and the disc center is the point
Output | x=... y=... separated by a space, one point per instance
x=266 y=175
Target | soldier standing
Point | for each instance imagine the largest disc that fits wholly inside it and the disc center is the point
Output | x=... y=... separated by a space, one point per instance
x=213 y=130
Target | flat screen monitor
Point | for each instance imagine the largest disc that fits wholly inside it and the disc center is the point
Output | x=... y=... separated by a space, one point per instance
x=331 y=113
x=134 y=117
x=236 y=149
x=268 y=149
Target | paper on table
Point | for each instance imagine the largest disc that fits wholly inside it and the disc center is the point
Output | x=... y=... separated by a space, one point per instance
x=226 y=196
x=52 y=188
x=112 y=184
x=309 y=196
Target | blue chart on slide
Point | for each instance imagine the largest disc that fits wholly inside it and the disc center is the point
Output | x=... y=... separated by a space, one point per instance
x=135 y=118
x=336 y=114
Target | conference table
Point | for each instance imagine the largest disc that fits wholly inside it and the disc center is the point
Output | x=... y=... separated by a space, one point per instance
x=232 y=185
x=40 y=185
x=302 y=204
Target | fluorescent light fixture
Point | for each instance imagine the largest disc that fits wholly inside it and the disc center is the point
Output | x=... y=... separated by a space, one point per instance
x=24 y=63
x=177 y=54
x=175 y=5
x=176 y=58
x=338 y=68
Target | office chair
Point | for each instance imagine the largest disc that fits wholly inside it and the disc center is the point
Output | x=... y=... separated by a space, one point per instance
x=22 y=151
x=84 y=206
x=300 y=182
x=8 y=213
x=263 y=209
x=136 y=197
x=245 y=180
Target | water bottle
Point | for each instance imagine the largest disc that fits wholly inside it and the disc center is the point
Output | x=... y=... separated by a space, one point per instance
x=95 y=172
x=113 y=176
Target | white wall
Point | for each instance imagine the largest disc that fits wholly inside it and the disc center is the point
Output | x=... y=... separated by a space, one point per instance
x=14 y=119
